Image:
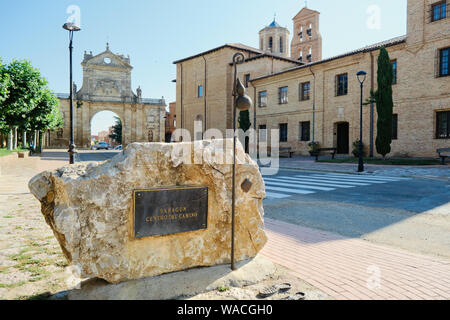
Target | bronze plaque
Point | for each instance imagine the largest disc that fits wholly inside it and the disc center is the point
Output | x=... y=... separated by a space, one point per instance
x=171 y=210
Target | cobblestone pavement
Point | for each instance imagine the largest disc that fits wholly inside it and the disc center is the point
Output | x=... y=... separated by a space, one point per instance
x=354 y=269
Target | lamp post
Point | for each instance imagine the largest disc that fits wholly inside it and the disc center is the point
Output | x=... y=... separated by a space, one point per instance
x=361 y=78
x=71 y=28
x=242 y=102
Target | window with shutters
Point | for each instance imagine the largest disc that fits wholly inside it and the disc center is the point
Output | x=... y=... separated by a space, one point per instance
x=443 y=125
x=283 y=95
x=262 y=99
x=443 y=59
x=341 y=84
x=305 y=89
x=439 y=11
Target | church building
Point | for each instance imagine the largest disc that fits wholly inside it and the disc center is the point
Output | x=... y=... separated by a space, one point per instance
x=309 y=98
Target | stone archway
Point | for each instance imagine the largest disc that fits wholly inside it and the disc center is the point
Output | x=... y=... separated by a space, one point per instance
x=107 y=87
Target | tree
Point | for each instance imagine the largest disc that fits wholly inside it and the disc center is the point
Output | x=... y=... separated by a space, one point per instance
x=24 y=88
x=245 y=124
x=29 y=104
x=4 y=92
x=45 y=115
x=385 y=103
x=117 y=131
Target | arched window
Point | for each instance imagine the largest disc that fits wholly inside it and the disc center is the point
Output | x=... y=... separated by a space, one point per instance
x=309 y=57
x=281 y=45
x=310 y=31
x=270 y=43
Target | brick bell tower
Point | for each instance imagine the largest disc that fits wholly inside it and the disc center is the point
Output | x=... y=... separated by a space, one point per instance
x=306 y=44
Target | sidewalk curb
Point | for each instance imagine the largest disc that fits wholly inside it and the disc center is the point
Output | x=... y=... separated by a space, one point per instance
x=366 y=173
x=324 y=170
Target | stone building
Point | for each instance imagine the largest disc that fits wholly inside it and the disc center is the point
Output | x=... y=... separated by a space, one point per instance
x=309 y=98
x=204 y=84
x=107 y=87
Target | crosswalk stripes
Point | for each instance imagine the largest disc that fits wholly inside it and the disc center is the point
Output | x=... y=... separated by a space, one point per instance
x=282 y=187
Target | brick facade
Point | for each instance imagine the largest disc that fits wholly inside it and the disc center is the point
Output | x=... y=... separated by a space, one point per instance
x=418 y=94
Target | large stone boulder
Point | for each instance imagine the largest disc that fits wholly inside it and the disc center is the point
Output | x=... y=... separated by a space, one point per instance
x=89 y=206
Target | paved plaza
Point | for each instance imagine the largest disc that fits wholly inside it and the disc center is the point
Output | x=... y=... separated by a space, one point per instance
x=349 y=236
x=338 y=230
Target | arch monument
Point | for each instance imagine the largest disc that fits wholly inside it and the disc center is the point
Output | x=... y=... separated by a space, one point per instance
x=107 y=87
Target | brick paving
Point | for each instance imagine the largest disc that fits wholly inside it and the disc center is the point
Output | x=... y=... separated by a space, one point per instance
x=347 y=269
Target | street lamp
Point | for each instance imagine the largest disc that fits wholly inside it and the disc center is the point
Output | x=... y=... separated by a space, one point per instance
x=243 y=103
x=71 y=28
x=361 y=78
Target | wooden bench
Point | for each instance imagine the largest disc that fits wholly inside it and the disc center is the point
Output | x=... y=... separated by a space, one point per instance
x=333 y=152
x=287 y=150
x=444 y=154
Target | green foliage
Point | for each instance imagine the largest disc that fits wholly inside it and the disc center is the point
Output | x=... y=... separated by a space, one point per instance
x=25 y=100
x=117 y=131
x=356 y=149
x=5 y=152
x=385 y=103
x=223 y=288
x=314 y=146
x=45 y=115
x=4 y=92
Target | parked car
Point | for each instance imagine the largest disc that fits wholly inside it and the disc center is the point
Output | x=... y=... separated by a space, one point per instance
x=118 y=148
x=102 y=146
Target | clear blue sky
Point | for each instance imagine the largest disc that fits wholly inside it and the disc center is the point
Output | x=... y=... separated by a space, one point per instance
x=155 y=33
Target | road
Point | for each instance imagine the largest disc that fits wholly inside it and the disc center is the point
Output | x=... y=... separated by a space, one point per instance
x=88 y=155
x=408 y=213
x=412 y=213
